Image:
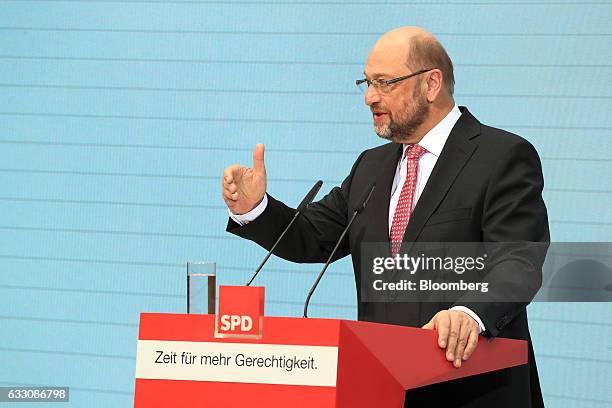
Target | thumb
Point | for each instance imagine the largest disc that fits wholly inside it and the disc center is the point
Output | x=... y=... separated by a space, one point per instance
x=429 y=325
x=258 y=158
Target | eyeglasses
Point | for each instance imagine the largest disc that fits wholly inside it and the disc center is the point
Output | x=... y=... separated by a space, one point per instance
x=384 y=85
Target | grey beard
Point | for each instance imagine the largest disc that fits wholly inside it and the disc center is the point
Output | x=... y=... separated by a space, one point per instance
x=384 y=133
x=399 y=132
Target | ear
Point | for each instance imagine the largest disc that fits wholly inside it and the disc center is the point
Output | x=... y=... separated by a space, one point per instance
x=433 y=84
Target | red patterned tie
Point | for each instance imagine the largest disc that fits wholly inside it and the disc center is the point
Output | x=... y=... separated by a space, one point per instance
x=404 y=205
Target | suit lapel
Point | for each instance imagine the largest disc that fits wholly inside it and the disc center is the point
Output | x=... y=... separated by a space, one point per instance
x=456 y=152
x=379 y=206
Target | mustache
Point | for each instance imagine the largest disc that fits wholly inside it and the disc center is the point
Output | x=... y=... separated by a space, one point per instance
x=378 y=109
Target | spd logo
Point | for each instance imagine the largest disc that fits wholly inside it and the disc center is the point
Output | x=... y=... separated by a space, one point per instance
x=233 y=323
x=240 y=314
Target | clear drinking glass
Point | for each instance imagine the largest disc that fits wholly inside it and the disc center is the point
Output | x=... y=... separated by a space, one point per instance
x=201 y=287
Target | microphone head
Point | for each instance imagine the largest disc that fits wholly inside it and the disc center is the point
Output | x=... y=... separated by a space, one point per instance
x=365 y=197
x=310 y=196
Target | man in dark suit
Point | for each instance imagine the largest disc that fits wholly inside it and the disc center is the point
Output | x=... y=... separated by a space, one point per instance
x=444 y=178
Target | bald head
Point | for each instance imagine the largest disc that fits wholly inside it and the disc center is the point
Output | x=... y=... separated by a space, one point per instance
x=402 y=36
x=415 y=48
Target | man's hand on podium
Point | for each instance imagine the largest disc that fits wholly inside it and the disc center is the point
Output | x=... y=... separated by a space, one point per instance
x=245 y=187
x=457 y=333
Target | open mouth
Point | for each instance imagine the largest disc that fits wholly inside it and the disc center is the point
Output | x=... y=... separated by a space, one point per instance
x=378 y=116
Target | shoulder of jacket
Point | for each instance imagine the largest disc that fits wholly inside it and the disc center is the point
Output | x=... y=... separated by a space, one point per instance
x=380 y=151
x=502 y=140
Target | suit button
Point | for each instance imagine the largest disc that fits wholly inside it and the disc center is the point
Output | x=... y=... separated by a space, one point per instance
x=501 y=323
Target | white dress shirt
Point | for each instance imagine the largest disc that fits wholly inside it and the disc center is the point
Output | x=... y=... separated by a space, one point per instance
x=433 y=142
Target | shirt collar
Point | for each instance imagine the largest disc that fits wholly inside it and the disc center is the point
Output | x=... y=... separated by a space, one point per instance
x=435 y=139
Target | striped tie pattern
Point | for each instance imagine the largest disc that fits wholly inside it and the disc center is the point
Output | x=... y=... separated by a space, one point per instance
x=401 y=217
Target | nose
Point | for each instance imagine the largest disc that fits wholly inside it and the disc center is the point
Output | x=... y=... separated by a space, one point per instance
x=371 y=96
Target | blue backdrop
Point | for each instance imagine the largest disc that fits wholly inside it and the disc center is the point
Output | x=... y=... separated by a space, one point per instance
x=117 y=118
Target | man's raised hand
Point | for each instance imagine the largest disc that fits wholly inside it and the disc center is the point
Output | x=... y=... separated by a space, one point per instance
x=244 y=187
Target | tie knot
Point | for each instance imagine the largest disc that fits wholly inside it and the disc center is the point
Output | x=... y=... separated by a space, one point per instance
x=414 y=152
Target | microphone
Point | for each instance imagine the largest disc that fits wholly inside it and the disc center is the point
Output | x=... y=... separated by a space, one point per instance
x=363 y=200
x=300 y=209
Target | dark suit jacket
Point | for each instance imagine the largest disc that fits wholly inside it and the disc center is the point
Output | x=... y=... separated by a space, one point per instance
x=485 y=187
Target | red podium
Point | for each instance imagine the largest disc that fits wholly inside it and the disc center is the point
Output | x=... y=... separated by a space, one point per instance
x=297 y=363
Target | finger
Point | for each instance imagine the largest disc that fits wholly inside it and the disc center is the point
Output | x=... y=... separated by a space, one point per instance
x=464 y=334
x=471 y=344
x=258 y=159
x=453 y=335
x=231 y=188
x=229 y=196
x=227 y=180
x=442 y=323
x=228 y=173
x=429 y=325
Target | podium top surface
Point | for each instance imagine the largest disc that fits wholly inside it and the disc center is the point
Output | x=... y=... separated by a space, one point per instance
x=277 y=330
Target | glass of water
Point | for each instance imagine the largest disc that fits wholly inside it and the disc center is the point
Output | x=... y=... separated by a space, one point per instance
x=201 y=287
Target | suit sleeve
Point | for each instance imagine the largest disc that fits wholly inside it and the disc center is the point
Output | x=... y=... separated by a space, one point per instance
x=515 y=230
x=314 y=234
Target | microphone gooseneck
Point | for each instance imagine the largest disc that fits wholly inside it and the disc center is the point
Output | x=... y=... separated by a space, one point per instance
x=363 y=201
x=303 y=205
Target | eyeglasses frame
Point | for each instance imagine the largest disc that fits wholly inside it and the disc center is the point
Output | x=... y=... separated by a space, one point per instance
x=390 y=81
